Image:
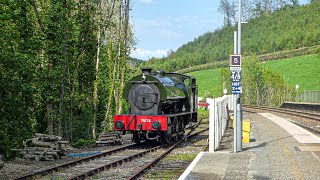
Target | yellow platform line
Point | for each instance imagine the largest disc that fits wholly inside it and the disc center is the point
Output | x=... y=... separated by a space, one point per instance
x=292 y=161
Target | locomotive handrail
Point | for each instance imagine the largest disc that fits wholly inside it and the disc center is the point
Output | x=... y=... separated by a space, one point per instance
x=180 y=114
x=143 y=82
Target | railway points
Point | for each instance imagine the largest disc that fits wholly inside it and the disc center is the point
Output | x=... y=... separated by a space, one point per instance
x=284 y=151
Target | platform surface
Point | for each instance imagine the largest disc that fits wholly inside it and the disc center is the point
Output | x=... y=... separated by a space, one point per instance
x=279 y=150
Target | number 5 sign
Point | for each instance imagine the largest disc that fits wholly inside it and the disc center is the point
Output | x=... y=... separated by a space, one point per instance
x=235 y=60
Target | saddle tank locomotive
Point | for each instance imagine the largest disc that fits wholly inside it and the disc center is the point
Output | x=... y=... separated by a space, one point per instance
x=161 y=105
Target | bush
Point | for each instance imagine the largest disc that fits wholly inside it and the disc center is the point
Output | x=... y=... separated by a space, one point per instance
x=203 y=114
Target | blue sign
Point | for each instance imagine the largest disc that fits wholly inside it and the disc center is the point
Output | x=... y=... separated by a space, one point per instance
x=235 y=83
x=236 y=87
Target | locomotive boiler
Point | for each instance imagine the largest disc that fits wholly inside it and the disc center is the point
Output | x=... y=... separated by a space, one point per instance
x=161 y=105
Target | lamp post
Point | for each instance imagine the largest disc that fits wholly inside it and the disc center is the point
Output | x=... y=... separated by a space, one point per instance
x=239 y=27
x=235 y=68
x=238 y=108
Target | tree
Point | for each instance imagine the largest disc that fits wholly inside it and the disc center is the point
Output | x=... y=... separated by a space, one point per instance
x=19 y=62
x=228 y=9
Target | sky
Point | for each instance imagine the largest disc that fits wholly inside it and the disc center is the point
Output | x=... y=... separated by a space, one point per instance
x=163 y=25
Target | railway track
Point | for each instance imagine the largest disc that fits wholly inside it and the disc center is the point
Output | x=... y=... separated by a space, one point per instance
x=308 y=115
x=50 y=170
x=138 y=155
x=138 y=173
x=308 y=120
x=174 y=163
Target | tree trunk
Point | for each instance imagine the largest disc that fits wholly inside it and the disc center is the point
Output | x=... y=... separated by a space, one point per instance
x=63 y=79
x=96 y=81
x=107 y=18
x=111 y=85
x=124 y=62
x=49 y=118
x=117 y=78
x=37 y=15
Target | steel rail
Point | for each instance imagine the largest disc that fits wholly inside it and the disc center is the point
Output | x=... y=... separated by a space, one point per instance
x=286 y=111
x=113 y=164
x=73 y=163
x=138 y=173
x=290 y=112
x=127 y=159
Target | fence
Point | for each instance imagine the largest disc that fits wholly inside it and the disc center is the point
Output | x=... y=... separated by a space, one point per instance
x=312 y=96
x=218 y=117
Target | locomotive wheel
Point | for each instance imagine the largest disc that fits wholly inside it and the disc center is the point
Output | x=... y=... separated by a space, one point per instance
x=168 y=140
x=181 y=127
x=165 y=139
x=175 y=125
x=137 y=141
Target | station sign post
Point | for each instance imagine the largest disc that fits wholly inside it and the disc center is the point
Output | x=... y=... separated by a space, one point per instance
x=236 y=73
x=236 y=76
x=235 y=61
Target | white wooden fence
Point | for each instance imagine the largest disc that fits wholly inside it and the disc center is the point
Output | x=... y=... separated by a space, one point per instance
x=218 y=117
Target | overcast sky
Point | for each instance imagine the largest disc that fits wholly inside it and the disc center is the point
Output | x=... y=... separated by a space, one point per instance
x=163 y=25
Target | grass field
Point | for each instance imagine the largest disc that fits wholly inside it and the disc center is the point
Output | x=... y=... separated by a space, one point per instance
x=208 y=80
x=302 y=70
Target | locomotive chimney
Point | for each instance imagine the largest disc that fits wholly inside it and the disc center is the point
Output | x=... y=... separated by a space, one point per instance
x=146 y=70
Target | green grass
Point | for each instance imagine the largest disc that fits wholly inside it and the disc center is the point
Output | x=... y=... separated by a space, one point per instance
x=208 y=80
x=301 y=70
x=182 y=157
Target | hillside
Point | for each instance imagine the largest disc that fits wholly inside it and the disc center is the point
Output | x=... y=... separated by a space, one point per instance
x=208 y=81
x=285 y=29
x=302 y=70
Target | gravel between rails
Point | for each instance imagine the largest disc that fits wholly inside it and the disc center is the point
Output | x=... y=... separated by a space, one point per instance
x=18 y=167
x=84 y=167
x=127 y=169
x=174 y=164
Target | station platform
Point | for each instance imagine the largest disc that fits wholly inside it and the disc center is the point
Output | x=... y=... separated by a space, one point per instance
x=278 y=150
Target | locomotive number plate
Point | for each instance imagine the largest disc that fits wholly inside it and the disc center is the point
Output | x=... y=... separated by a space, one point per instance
x=145 y=120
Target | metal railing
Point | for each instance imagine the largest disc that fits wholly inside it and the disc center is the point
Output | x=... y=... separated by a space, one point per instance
x=218 y=117
x=312 y=96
